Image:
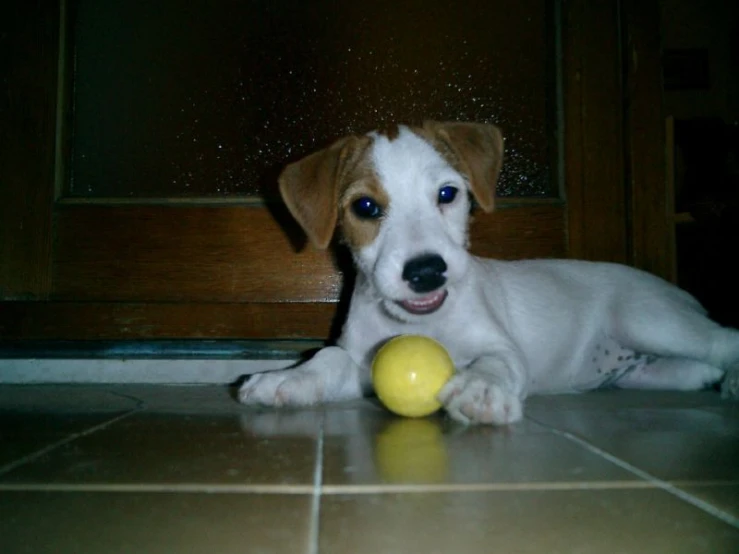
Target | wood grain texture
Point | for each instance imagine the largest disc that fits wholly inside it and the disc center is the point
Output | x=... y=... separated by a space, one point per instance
x=528 y=231
x=103 y=272
x=122 y=321
x=198 y=254
x=652 y=204
x=29 y=37
x=227 y=271
x=594 y=153
x=238 y=253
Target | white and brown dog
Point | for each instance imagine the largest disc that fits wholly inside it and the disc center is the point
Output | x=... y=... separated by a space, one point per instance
x=402 y=202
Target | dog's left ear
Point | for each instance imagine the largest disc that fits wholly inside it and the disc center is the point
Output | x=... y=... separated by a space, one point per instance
x=311 y=187
x=478 y=147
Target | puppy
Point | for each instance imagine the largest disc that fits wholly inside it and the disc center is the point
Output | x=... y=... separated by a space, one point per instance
x=402 y=201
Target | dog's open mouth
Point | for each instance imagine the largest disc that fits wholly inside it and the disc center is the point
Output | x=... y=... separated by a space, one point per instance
x=426 y=304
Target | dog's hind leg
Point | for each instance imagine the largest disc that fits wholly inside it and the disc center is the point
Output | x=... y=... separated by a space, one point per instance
x=671 y=374
x=674 y=328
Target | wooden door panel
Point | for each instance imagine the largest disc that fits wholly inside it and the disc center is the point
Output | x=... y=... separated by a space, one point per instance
x=176 y=253
x=76 y=264
x=238 y=253
x=593 y=119
x=109 y=291
x=48 y=321
x=29 y=40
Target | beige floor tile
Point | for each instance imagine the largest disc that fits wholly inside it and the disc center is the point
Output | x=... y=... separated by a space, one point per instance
x=728 y=408
x=553 y=522
x=209 y=399
x=370 y=416
x=137 y=484
x=82 y=523
x=624 y=399
x=66 y=398
x=723 y=497
x=684 y=420
x=24 y=432
x=678 y=456
x=176 y=448
x=671 y=444
x=33 y=417
x=389 y=450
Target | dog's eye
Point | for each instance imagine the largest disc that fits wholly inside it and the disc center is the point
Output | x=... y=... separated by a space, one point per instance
x=447 y=194
x=366 y=208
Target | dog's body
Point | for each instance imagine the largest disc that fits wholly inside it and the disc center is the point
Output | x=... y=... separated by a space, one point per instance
x=512 y=328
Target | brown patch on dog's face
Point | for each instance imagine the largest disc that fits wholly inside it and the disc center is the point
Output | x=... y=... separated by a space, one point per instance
x=358 y=231
x=442 y=147
x=392 y=131
x=472 y=149
x=312 y=187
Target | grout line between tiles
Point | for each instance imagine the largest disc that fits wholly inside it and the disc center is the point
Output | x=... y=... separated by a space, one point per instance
x=160 y=488
x=305 y=490
x=670 y=488
x=315 y=522
x=66 y=440
x=508 y=487
x=480 y=487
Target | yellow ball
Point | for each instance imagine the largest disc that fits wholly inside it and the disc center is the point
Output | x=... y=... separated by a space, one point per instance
x=408 y=372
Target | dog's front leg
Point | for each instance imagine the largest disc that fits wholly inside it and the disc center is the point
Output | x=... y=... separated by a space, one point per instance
x=490 y=390
x=329 y=376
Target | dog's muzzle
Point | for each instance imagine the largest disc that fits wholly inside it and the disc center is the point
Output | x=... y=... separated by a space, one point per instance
x=425 y=274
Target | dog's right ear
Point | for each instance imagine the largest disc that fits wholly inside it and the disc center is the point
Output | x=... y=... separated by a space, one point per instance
x=479 y=148
x=311 y=187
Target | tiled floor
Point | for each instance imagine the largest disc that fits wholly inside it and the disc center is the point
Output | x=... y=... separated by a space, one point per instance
x=149 y=469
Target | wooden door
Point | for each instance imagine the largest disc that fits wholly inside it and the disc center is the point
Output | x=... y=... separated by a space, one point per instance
x=140 y=145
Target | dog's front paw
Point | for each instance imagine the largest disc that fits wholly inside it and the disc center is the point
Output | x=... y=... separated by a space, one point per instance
x=289 y=387
x=730 y=384
x=471 y=397
x=330 y=375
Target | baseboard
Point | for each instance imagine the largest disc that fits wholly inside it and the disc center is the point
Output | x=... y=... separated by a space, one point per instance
x=153 y=371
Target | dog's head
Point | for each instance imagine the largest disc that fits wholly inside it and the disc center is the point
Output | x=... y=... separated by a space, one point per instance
x=402 y=203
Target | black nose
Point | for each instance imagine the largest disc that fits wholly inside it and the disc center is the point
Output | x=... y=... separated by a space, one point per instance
x=425 y=273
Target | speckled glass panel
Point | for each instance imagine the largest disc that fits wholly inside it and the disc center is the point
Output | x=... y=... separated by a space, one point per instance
x=212 y=98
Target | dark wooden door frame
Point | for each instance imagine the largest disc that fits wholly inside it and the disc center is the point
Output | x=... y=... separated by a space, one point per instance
x=613 y=144
x=614 y=131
